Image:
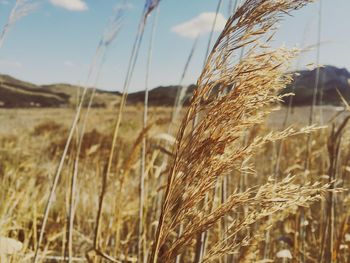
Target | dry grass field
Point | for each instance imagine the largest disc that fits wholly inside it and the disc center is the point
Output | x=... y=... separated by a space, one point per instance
x=227 y=179
x=32 y=141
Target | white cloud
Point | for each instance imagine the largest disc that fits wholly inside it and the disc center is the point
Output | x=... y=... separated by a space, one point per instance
x=72 y=5
x=4 y=2
x=199 y=25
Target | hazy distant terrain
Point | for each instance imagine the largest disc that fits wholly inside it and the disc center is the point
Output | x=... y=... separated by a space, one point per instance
x=331 y=82
x=16 y=93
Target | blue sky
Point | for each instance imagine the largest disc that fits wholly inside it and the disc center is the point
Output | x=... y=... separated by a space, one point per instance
x=57 y=41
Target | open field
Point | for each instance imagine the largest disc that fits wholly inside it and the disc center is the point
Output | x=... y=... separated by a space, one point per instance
x=224 y=174
x=20 y=121
x=32 y=141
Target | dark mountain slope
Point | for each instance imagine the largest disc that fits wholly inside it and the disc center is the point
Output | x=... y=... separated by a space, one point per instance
x=160 y=96
x=16 y=93
x=331 y=79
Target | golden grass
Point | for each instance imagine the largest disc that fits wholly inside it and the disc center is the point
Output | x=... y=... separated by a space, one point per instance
x=213 y=194
x=26 y=169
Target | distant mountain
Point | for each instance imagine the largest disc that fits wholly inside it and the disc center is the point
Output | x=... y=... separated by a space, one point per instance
x=16 y=93
x=161 y=96
x=330 y=79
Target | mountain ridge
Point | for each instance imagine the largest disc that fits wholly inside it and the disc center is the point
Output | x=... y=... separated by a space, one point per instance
x=15 y=93
x=331 y=81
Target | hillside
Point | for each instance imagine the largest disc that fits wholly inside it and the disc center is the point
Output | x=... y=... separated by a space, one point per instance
x=15 y=93
x=160 y=96
x=331 y=79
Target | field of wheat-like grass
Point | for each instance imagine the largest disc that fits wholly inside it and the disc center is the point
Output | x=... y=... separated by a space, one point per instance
x=231 y=177
x=264 y=204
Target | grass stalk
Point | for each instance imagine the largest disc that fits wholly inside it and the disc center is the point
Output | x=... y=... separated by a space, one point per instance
x=141 y=234
x=132 y=62
x=203 y=140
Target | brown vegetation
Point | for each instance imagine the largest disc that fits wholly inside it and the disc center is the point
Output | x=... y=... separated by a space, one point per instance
x=227 y=188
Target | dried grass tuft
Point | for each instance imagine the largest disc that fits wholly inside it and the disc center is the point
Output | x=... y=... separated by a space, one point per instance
x=212 y=131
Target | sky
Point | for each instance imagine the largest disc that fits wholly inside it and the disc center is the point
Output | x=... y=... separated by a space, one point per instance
x=57 y=40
